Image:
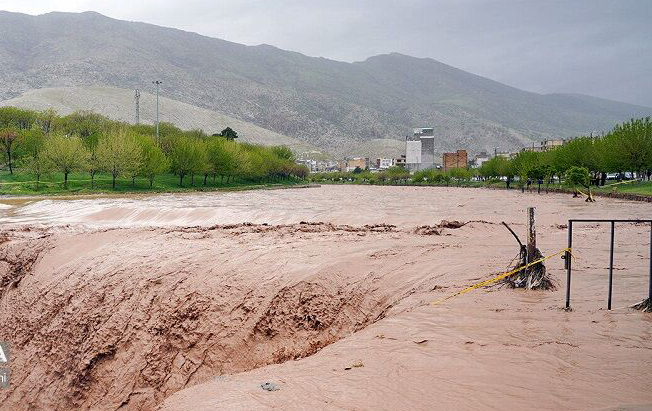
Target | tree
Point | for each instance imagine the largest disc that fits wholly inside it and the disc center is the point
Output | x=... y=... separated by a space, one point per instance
x=632 y=143
x=46 y=119
x=284 y=153
x=200 y=160
x=153 y=161
x=65 y=154
x=183 y=157
x=580 y=176
x=32 y=143
x=119 y=153
x=229 y=134
x=7 y=139
x=221 y=157
x=93 y=166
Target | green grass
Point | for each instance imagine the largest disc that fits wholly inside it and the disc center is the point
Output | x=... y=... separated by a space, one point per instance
x=643 y=188
x=23 y=184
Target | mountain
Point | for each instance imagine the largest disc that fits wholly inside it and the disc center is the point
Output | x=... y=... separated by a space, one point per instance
x=118 y=104
x=340 y=107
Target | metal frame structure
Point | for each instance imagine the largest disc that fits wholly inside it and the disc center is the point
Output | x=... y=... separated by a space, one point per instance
x=568 y=261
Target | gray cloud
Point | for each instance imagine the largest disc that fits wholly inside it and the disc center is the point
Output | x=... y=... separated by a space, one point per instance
x=596 y=47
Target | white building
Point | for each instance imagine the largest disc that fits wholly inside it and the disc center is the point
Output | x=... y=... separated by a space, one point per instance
x=420 y=149
x=480 y=159
x=385 y=163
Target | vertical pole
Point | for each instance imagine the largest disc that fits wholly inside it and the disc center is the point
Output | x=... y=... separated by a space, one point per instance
x=611 y=264
x=531 y=235
x=649 y=296
x=157 y=138
x=568 y=263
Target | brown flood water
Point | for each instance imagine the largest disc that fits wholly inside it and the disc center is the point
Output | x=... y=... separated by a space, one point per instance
x=170 y=302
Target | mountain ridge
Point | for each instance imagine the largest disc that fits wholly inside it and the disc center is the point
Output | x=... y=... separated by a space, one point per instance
x=334 y=105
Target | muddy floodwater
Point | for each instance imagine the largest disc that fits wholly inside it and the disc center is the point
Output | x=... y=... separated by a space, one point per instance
x=192 y=301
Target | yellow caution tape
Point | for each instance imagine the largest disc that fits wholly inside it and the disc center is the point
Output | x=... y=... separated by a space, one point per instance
x=503 y=275
x=636 y=180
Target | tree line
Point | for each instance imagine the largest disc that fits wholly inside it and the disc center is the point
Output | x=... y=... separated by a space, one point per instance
x=42 y=142
x=582 y=161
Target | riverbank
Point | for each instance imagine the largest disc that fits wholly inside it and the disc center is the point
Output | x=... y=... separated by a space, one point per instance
x=23 y=185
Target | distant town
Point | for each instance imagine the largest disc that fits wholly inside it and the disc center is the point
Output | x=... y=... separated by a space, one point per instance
x=420 y=154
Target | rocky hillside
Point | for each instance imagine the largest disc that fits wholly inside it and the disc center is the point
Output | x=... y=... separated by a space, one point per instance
x=337 y=106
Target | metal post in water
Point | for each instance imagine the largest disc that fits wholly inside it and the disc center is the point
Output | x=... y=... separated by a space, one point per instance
x=531 y=235
x=611 y=264
x=649 y=295
x=568 y=262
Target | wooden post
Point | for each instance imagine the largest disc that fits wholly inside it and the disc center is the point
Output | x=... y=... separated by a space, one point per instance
x=531 y=235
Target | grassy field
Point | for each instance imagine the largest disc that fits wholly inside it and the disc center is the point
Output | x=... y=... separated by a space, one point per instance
x=643 y=188
x=24 y=184
x=639 y=187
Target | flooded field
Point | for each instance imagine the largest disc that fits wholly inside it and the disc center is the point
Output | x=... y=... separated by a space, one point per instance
x=191 y=302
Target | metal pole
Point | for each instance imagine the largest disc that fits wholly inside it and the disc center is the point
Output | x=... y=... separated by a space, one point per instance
x=611 y=264
x=568 y=263
x=157 y=82
x=157 y=111
x=649 y=296
x=531 y=235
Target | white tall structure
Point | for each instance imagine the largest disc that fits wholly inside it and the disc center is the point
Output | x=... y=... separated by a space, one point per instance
x=420 y=149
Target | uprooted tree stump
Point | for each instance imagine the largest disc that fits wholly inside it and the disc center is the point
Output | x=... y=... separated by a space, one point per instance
x=645 y=306
x=535 y=276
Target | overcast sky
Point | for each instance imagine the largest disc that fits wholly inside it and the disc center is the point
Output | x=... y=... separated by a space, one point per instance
x=596 y=47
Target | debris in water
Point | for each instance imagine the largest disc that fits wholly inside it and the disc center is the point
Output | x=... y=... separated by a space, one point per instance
x=270 y=386
x=356 y=364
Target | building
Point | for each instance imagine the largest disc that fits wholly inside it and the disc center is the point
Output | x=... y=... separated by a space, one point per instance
x=400 y=162
x=503 y=154
x=551 y=144
x=351 y=164
x=384 y=163
x=480 y=158
x=420 y=149
x=458 y=159
x=545 y=145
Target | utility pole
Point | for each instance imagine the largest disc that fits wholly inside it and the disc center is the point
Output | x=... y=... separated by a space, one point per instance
x=157 y=82
x=137 y=97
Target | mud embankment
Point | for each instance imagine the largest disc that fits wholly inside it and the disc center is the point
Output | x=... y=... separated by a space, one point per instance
x=123 y=318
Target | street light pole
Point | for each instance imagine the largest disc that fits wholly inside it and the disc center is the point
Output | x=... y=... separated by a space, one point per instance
x=157 y=82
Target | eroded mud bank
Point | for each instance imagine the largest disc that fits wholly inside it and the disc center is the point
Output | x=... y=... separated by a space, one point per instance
x=190 y=303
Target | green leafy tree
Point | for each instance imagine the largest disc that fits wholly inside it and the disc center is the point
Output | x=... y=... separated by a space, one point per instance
x=580 y=176
x=153 y=160
x=7 y=140
x=221 y=157
x=183 y=157
x=32 y=143
x=65 y=154
x=119 y=153
x=229 y=134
